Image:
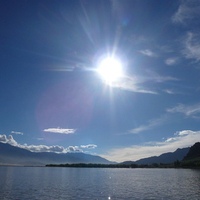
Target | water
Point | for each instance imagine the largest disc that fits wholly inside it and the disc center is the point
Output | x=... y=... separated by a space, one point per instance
x=98 y=183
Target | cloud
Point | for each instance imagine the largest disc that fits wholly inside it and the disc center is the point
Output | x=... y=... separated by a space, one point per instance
x=190 y=110
x=169 y=91
x=183 y=13
x=185 y=138
x=3 y=138
x=154 y=77
x=53 y=148
x=10 y=140
x=171 y=61
x=40 y=138
x=148 y=52
x=192 y=46
x=131 y=84
x=18 y=133
x=140 y=129
x=150 y=125
x=60 y=130
x=164 y=78
x=186 y=132
x=134 y=84
x=43 y=148
x=39 y=148
x=74 y=149
x=187 y=11
x=89 y=146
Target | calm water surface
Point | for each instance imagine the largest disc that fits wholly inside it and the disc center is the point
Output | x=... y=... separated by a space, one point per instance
x=90 y=183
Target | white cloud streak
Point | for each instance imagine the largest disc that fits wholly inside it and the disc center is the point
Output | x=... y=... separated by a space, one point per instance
x=40 y=138
x=185 y=138
x=89 y=146
x=190 y=110
x=150 y=125
x=17 y=133
x=170 y=91
x=131 y=84
x=148 y=52
x=134 y=84
x=60 y=130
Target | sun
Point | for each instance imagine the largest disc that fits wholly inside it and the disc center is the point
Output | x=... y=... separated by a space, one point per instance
x=110 y=69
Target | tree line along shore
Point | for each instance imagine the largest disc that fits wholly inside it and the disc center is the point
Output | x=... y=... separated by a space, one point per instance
x=177 y=164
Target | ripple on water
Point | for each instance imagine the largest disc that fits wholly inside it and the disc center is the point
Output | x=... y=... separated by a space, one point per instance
x=92 y=183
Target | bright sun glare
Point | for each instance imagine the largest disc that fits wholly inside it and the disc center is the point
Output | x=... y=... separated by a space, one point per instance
x=110 y=69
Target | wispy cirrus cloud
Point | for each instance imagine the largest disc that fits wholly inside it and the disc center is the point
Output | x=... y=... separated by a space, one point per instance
x=40 y=138
x=172 y=91
x=17 y=133
x=187 y=110
x=132 y=84
x=136 y=83
x=192 y=46
x=181 y=139
x=141 y=128
x=187 y=11
x=148 y=52
x=60 y=130
x=163 y=78
x=188 y=14
x=149 y=125
x=168 y=91
x=157 y=78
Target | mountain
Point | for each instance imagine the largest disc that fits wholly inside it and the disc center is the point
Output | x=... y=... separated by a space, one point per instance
x=194 y=152
x=12 y=155
x=164 y=158
x=192 y=159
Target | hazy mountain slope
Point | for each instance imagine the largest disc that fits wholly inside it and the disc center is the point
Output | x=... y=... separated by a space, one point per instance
x=165 y=158
x=15 y=155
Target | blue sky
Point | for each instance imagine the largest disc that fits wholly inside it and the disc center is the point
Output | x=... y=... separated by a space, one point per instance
x=54 y=99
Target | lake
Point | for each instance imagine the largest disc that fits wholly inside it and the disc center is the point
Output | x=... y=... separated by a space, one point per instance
x=98 y=183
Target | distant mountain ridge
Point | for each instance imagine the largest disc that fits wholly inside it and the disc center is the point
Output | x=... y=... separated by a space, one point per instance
x=170 y=157
x=12 y=155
